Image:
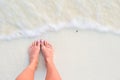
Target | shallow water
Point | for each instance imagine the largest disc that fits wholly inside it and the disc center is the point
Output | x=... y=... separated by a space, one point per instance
x=29 y=18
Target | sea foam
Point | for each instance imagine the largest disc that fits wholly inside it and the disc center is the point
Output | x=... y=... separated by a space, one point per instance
x=81 y=24
x=29 y=18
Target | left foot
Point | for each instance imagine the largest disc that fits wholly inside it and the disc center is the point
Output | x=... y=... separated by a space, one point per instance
x=34 y=51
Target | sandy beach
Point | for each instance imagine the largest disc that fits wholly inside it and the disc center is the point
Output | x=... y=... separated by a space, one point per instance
x=85 y=35
x=82 y=55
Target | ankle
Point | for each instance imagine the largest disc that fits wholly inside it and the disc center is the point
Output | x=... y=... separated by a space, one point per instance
x=49 y=61
x=33 y=66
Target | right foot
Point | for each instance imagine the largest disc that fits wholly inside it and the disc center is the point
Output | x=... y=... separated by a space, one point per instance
x=34 y=51
x=47 y=51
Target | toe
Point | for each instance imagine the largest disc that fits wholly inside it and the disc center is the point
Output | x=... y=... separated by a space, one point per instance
x=36 y=43
x=42 y=42
x=32 y=44
x=45 y=43
x=39 y=43
x=48 y=44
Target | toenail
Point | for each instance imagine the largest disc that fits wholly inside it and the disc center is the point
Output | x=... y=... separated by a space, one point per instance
x=37 y=43
x=41 y=40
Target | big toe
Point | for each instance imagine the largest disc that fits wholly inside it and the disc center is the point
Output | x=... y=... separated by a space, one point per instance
x=42 y=44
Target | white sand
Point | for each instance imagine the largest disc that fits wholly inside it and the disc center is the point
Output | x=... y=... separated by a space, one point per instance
x=82 y=55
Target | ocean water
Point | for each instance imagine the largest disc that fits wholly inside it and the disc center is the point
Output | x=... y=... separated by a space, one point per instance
x=31 y=18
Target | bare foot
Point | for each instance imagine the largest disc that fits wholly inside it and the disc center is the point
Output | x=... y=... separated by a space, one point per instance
x=34 y=51
x=47 y=51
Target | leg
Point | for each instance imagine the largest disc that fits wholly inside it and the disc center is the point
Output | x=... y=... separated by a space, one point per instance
x=28 y=73
x=47 y=50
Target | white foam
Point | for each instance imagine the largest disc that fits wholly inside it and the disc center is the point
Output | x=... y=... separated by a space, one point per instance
x=78 y=23
x=29 y=18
